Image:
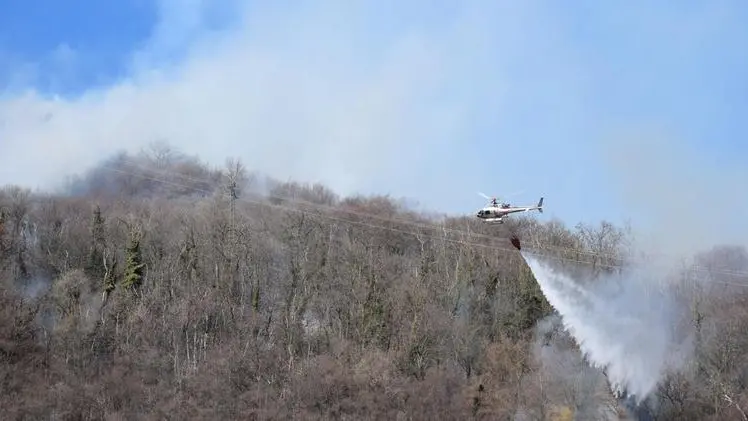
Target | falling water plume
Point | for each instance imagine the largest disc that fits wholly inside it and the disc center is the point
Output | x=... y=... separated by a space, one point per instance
x=625 y=322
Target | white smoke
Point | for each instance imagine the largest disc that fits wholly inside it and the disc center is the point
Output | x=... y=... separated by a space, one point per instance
x=625 y=323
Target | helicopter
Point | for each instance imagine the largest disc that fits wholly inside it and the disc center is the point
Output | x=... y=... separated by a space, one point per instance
x=495 y=212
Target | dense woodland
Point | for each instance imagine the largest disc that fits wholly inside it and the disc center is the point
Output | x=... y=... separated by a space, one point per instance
x=156 y=287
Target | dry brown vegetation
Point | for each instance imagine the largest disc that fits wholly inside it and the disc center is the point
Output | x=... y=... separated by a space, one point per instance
x=185 y=295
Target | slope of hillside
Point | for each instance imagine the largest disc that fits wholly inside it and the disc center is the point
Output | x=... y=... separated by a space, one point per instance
x=156 y=287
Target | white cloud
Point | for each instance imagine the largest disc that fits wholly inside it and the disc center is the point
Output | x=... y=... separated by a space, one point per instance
x=301 y=94
x=436 y=100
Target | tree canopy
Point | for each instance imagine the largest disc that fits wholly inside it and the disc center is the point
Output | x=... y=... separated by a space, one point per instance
x=157 y=287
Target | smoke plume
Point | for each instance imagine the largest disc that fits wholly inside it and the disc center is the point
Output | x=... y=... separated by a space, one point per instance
x=572 y=381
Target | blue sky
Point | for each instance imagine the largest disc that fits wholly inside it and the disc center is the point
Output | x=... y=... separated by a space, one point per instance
x=434 y=100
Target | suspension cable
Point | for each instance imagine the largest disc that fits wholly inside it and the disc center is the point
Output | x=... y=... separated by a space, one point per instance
x=494 y=246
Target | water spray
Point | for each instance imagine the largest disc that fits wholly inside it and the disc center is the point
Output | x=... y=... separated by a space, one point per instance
x=622 y=324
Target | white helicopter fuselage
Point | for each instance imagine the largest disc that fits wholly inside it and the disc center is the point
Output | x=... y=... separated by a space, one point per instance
x=495 y=214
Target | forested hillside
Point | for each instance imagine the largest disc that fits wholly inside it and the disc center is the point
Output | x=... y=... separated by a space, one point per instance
x=159 y=288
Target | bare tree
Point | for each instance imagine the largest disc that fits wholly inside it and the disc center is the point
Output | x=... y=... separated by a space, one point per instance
x=324 y=308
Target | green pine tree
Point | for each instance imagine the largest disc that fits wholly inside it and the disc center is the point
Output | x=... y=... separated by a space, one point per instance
x=133 y=262
x=94 y=267
x=97 y=226
x=256 y=296
x=109 y=277
x=2 y=220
